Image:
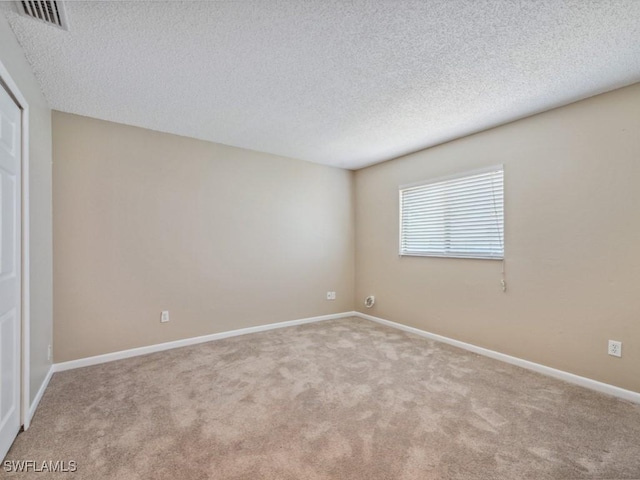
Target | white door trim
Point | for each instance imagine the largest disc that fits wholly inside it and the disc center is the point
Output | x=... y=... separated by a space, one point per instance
x=25 y=287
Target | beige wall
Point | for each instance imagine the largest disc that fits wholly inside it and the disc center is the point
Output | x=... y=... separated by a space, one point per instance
x=222 y=237
x=572 y=220
x=13 y=59
x=226 y=238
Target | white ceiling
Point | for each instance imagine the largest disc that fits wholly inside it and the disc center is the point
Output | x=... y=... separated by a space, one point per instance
x=344 y=83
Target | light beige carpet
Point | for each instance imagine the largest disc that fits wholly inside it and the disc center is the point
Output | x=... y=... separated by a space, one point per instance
x=343 y=399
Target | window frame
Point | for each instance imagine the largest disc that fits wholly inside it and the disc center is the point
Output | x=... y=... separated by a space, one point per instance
x=444 y=178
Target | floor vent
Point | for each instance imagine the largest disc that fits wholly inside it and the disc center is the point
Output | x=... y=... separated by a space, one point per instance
x=50 y=12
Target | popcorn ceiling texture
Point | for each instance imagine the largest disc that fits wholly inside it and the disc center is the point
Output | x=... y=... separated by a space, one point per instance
x=345 y=83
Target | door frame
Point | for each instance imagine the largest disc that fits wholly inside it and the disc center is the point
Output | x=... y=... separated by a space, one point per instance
x=25 y=291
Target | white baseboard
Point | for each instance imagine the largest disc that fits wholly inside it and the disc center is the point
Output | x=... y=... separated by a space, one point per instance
x=536 y=367
x=36 y=400
x=134 y=352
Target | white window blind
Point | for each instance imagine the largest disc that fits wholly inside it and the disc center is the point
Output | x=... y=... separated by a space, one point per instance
x=460 y=216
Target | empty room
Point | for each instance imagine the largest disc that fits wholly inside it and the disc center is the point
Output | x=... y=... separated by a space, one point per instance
x=320 y=239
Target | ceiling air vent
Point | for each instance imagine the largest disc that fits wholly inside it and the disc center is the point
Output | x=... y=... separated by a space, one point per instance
x=49 y=12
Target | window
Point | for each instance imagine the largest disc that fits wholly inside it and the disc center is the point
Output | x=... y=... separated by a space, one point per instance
x=461 y=216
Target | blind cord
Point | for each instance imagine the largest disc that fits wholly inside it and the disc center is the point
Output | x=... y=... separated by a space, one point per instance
x=503 y=280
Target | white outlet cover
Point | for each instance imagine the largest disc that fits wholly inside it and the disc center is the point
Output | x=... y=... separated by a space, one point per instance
x=164 y=317
x=615 y=348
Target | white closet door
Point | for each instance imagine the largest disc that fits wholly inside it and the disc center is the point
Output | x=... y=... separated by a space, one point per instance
x=10 y=269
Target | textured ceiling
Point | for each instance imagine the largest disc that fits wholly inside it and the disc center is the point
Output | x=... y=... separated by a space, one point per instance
x=345 y=83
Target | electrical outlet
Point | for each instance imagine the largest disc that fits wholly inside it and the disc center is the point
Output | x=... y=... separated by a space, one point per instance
x=615 y=348
x=331 y=295
x=49 y=353
x=164 y=317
